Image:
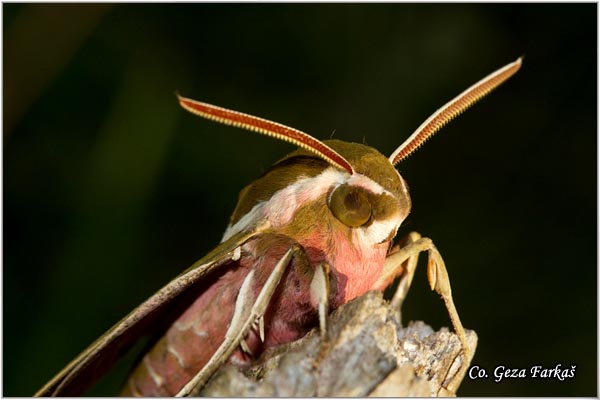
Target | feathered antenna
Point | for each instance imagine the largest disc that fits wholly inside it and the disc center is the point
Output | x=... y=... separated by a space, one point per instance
x=452 y=109
x=266 y=127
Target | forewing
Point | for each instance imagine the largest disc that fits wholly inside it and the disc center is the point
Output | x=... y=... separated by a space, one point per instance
x=100 y=356
x=246 y=314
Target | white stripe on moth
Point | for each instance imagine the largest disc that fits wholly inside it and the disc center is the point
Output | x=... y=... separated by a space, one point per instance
x=403 y=182
x=247 y=220
x=378 y=231
x=180 y=326
x=177 y=356
x=366 y=183
x=158 y=380
x=190 y=323
x=199 y=332
x=280 y=209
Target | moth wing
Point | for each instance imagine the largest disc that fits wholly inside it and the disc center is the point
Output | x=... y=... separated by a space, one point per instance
x=94 y=361
x=247 y=313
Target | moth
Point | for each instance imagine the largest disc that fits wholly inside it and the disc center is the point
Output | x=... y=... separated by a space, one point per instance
x=315 y=231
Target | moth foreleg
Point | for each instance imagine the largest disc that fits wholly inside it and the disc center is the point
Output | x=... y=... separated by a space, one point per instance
x=404 y=260
x=409 y=267
x=247 y=312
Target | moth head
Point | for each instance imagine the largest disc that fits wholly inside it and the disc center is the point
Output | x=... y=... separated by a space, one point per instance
x=363 y=190
x=370 y=202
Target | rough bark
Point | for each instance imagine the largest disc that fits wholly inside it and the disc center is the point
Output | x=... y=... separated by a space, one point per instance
x=367 y=353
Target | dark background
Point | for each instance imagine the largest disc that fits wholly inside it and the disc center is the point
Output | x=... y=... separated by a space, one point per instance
x=110 y=189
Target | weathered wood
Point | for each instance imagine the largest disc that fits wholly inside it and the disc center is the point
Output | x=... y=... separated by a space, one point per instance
x=368 y=353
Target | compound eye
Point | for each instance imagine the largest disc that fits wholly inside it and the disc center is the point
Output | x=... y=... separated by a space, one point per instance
x=350 y=205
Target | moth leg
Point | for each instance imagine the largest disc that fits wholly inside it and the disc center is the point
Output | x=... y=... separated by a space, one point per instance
x=403 y=263
x=246 y=313
x=439 y=281
x=409 y=267
x=319 y=292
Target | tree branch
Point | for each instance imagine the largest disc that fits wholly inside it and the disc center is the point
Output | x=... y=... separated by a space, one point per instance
x=368 y=353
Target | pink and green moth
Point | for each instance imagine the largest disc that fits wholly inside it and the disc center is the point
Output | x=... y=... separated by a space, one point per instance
x=315 y=231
